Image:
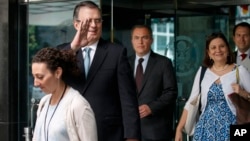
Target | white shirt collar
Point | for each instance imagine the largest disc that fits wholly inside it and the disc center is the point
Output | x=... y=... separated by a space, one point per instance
x=92 y=46
x=247 y=52
x=145 y=57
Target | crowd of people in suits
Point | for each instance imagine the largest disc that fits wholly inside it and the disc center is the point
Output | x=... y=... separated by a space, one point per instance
x=97 y=93
x=113 y=107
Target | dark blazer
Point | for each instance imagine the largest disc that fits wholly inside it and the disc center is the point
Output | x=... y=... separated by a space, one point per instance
x=111 y=92
x=159 y=92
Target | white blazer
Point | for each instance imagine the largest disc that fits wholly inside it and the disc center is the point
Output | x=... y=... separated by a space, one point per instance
x=226 y=81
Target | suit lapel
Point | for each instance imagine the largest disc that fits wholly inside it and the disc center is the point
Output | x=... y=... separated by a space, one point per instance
x=80 y=60
x=132 y=62
x=148 y=70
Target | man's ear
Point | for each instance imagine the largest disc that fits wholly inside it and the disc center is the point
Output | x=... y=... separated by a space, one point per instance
x=76 y=24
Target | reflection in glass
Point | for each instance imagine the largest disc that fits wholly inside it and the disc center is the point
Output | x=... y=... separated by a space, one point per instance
x=163 y=33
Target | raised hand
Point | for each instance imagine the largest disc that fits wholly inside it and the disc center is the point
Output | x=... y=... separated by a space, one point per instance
x=81 y=36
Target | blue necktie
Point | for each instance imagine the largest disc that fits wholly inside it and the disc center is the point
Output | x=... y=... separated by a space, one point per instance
x=87 y=60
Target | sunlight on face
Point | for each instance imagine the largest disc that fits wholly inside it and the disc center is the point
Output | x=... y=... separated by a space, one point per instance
x=242 y=38
x=43 y=78
x=141 y=41
x=218 y=50
x=95 y=26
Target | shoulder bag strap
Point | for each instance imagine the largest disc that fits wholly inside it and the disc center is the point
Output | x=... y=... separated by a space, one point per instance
x=237 y=75
x=203 y=70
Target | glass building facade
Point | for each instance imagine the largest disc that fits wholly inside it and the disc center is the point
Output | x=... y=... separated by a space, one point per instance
x=179 y=31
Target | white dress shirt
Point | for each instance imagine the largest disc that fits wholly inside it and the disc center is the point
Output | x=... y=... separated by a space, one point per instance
x=144 y=63
x=92 y=51
x=246 y=61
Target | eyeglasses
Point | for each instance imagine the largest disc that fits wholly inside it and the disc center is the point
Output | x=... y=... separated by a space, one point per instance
x=96 y=21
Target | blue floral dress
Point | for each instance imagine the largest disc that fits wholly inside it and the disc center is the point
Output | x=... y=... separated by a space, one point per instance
x=214 y=123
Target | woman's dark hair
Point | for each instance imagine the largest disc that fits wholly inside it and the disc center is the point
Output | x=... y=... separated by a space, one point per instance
x=208 y=62
x=55 y=58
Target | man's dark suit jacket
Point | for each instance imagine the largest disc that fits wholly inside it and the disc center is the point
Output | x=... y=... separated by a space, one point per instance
x=159 y=92
x=110 y=90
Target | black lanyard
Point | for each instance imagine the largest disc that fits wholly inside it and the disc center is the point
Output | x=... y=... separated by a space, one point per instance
x=47 y=133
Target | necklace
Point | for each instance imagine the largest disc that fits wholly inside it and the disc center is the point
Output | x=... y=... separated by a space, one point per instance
x=47 y=133
x=218 y=70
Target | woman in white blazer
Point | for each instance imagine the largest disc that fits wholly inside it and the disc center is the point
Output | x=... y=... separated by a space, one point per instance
x=63 y=114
